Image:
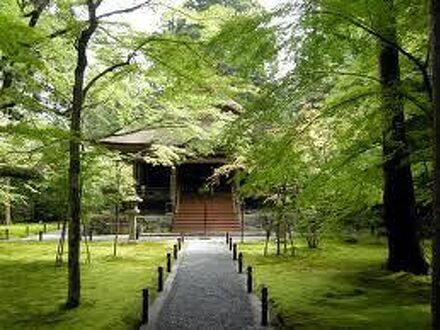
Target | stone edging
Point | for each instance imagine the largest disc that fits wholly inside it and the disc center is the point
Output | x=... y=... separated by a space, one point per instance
x=159 y=302
x=254 y=300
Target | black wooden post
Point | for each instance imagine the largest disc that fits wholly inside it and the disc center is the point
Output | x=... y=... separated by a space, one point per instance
x=175 y=251
x=169 y=262
x=159 y=279
x=240 y=262
x=264 y=307
x=27 y=231
x=179 y=243
x=90 y=234
x=145 y=298
x=183 y=238
x=249 y=279
x=230 y=243
x=227 y=238
x=40 y=235
x=242 y=221
x=7 y=233
x=45 y=228
x=278 y=240
x=234 y=251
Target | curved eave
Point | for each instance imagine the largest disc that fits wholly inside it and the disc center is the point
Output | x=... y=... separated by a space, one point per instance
x=125 y=147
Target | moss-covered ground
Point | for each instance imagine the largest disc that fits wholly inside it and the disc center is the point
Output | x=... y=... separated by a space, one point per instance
x=33 y=289
x=339 y=286
x=18 y=230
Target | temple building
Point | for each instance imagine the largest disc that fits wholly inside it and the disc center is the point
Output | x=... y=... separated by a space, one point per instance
x=179 y=189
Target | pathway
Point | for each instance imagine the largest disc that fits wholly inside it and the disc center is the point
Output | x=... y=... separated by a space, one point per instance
x=207 y=292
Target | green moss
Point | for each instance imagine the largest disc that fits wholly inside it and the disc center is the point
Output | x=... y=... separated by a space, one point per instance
x=33 y=289
x=340 y=286
x=20 y=229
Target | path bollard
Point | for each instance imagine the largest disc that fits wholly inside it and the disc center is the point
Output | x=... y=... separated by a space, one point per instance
x=137 y=234
x=45 y=228
x=264 y=307
x=240 y=262
x=249 y=279
x=234 y=251
x=145 y=298
x=6 y=234
x=230 y=243
x=159 y=279
x=27 y=231
x=183 y=237
x=40 y=235
x=90 y=234
x=175 y=251
x=227 y=238
x=179 y=243
x=169 y=262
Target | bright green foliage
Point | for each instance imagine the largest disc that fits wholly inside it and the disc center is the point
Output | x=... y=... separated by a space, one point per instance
x=172 y=79
x=238 y=5
x=318 y=128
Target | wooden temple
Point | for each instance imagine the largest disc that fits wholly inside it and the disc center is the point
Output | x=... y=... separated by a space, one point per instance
x=180 y=190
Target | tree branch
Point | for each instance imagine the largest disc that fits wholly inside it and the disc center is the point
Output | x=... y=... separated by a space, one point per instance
x=103 y=73
x=58 y=33
x=114 y=67
x=36 y=13
x=124 y=11
x=417 y=62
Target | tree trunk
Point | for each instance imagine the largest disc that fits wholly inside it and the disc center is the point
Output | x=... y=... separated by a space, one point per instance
x=7 y=203
x=404 y=251
x=8 y=217
x=74 y=279
x=435 y=56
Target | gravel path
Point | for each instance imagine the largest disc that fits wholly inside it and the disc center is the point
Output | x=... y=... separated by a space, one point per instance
x=207 y=292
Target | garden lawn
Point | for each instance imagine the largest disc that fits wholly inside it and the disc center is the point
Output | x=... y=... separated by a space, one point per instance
x=20 y=230
x=339 y=286
x=33 y=289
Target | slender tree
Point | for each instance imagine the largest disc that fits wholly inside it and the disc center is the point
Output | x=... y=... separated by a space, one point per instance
x=404 y=251
x=80 y=89
x=74 y=291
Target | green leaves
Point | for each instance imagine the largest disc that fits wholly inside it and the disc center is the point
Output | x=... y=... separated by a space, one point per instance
x=18 y=40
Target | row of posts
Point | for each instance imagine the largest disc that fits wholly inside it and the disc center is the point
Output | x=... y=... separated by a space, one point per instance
x=249 y=281
x=44 y=231
x=160 y=278
x=40 y=233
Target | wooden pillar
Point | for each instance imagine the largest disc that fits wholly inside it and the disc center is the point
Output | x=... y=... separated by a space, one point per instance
x=177 y=190
x=173 y=188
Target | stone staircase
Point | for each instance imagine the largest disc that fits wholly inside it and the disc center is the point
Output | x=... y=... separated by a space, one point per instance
x=205 y=214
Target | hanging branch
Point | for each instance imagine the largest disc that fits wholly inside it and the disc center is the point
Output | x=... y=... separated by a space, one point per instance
x=124 y=11
x=417 y=62
x=113 y=68
x=103 y=73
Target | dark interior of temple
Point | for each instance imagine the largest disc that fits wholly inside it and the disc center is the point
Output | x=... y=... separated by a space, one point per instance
x=154 y=184
x=194 y=178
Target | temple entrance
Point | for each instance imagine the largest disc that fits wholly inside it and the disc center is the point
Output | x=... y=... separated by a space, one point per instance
x=204 y=207
x=194 y=179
